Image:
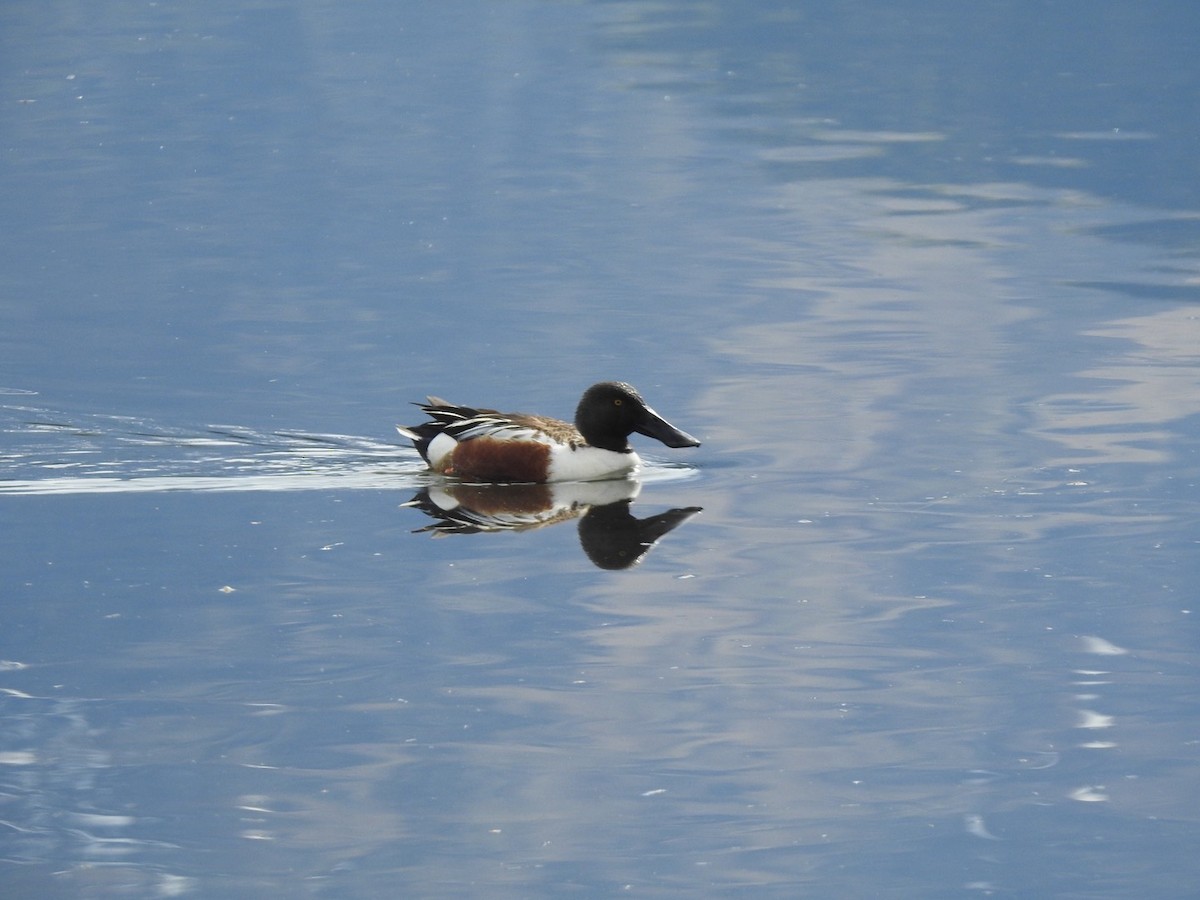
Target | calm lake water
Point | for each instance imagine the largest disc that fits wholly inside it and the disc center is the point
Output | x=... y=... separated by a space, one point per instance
x=919 y=618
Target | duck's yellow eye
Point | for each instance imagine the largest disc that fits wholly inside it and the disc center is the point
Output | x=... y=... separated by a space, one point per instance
x=617 y=401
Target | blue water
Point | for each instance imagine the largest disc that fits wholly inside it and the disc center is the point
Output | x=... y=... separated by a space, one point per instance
x=917 y=620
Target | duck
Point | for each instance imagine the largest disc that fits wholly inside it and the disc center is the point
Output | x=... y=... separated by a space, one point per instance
x=486 y=446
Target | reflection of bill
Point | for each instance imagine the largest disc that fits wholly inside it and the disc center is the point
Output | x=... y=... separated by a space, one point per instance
x=611 y=536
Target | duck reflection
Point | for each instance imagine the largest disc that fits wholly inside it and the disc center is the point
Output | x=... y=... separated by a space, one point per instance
x=611 y=536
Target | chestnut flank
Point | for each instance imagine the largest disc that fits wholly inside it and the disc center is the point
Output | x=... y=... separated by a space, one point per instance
x=486 y=459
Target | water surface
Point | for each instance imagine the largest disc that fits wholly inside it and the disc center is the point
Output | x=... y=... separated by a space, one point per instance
x=923 y=278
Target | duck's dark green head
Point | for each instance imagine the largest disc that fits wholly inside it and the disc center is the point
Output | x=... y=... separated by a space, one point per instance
x=612 y=410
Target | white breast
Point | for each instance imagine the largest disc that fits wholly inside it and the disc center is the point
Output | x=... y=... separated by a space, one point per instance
x=589 y=464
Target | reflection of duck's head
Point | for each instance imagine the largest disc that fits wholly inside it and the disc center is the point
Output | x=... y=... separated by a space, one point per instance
x=483 y=445
x=611 y=536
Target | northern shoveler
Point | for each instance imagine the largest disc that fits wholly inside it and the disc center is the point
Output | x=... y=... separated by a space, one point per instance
x=484 y=445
